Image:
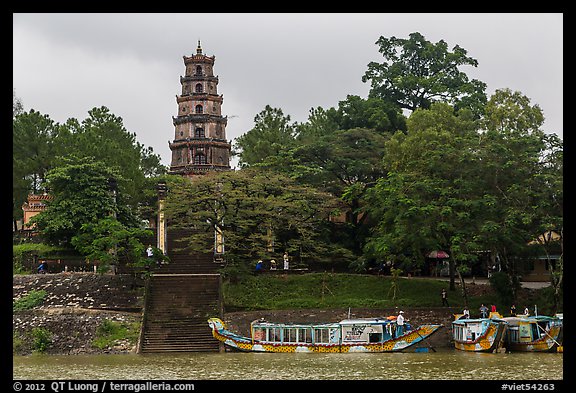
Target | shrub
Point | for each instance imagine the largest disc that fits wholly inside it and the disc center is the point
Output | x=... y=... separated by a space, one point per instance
x=32 y=299
x=41 y=339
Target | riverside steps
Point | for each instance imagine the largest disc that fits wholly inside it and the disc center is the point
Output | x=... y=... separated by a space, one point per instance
x=180 y=297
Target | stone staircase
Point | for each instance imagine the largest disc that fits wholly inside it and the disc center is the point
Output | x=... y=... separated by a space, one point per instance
x=180 y=297
x=176 y=313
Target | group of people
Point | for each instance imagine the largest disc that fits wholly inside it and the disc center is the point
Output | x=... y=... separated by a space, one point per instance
x=273 y=266
x=484 y=311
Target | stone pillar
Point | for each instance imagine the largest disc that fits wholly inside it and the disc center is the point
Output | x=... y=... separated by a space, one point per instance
x=161 y=226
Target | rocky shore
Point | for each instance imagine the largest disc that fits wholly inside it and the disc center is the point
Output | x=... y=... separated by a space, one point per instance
x=75 y=306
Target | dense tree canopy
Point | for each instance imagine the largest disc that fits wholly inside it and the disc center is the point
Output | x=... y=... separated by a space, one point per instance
x=41 y=145
x=416 y=72
x=260 y=214
x=272 y=133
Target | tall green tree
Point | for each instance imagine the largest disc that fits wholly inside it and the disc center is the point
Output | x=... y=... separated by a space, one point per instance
x=521 y=174
x=273 y=133
x=103 y=137
x=82 y=193
x=34 y=148
x=416 y=72
x=427 y=200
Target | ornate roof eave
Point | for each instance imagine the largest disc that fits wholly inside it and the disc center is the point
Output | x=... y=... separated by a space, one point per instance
x=193 y=77
x=200 y=96
x=199 y=118
x=199 y=59
x=200 y=142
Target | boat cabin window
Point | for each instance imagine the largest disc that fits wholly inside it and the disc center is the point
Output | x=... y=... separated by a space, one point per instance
x=322 y=336
x=304 y=335
x=513 y=332
x=273 y=334
x=290 y=335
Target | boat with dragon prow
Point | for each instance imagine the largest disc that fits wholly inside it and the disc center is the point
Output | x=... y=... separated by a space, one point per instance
x=537 y=333
x=349 y=335
x=479 y=334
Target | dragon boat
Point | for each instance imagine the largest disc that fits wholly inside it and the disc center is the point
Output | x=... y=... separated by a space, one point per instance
x=479 y=334
x=349 y=335
x=534 y=333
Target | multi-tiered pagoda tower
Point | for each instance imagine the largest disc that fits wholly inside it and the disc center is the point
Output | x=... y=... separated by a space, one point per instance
x=200 y=144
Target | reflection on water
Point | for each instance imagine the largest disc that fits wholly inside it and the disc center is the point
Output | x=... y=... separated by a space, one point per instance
x=443 y=365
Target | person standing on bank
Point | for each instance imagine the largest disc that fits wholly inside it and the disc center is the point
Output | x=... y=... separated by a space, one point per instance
x=400 y=324
x=286 y=260
x=444 y=295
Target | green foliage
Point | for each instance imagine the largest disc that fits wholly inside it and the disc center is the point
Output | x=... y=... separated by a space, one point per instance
x=271 y=134
x=501 y=283
x=17 y=342
x=41 y=145
x=416 y=73
x=32 y=299
x=259 y=213
x=109 y=332
x=41 y=339
x=109 y=241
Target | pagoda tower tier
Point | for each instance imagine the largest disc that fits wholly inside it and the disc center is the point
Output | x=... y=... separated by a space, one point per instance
x=199 y=144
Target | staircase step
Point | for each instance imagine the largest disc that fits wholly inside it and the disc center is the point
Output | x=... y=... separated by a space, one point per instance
x=177 y=309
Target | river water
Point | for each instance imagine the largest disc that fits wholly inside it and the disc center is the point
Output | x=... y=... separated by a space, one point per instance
x=445 y=364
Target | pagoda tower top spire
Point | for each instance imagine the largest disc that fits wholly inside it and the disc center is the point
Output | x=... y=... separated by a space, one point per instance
x=199 y=49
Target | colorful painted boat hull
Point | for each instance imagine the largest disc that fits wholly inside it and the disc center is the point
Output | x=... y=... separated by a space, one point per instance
x=489 y=339
x=534 y=334
x=245 y=344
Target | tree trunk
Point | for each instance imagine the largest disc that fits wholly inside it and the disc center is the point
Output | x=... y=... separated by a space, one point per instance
x=452 y=268
x=464 y=291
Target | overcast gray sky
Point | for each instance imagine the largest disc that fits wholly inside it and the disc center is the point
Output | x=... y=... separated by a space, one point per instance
x=66 y=64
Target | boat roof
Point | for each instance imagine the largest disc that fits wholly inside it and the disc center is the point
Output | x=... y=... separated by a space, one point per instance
x=264 y=324
x=361 y=321
x=475 y=320
x=344 y=322
x=527 y=319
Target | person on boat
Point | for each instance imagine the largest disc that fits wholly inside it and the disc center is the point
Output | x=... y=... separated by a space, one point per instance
x=444 y=295
x=493 y=308
x=526 y=311
x=483 y=311
x=512 y=310
x=400 y=324
x=466 y=313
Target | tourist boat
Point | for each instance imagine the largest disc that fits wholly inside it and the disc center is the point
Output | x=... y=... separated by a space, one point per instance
x=479 y=334
x=349 y=335
x=534 y=333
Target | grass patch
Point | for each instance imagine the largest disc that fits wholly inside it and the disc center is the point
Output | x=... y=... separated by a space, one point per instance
x=343 y=290
x=109 y=332
x=33 y=299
